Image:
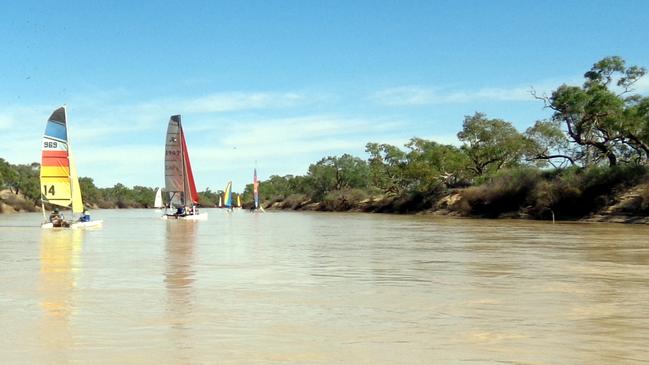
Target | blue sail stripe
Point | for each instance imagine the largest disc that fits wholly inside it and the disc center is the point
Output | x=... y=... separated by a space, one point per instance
x=56 y=130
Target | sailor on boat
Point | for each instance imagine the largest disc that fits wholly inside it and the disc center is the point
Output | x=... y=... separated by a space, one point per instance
x=84 y=216
x=57 y=219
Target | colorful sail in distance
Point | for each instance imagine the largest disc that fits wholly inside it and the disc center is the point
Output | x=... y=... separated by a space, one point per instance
x=59 y=180
x=255 y=189
x=227 y=195
x=179 y=178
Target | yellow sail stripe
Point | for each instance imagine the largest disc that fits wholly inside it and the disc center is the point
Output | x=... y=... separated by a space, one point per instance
x=56 y=190
x=55 y=171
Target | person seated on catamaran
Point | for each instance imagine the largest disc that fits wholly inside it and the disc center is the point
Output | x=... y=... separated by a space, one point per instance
x=84 y=216
x=56 y=218
x=180 y=211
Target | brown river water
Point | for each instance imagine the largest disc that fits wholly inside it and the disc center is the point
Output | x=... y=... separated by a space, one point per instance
x=322 y=288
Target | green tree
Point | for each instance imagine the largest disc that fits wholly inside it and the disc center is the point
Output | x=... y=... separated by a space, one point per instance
x=547 y=143
x=26 y=180
x=430 y=163
x=7 y=174
x=336 y=173
x=601 y=115
x=490 y=144
x=208 y=198
x=89 y=192
x=120 y=195
x=143 y=196
x=274 y=188
x=387 y=164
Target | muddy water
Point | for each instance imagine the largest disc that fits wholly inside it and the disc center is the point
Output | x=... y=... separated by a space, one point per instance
x=308 y=288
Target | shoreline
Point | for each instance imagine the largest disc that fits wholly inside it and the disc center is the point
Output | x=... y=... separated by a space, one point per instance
x=453 y=204
x=448 y=205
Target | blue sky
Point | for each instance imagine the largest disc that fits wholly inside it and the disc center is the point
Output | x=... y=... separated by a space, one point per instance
x=281 y=84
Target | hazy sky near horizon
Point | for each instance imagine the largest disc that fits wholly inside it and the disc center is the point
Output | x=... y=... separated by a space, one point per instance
x=281 y=84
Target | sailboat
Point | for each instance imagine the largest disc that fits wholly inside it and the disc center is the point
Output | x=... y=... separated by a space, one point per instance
x=227 y=196
x=157 y=203
x=238 y=200
x=179 y=178
x=255 y=192
x=59 y=179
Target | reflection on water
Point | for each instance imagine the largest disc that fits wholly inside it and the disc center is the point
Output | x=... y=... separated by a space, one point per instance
x=180 y=244
x=302 y=288
x=60 y=252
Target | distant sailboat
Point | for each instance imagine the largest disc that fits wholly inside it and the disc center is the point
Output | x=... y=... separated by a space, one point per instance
x=179 y=178
x=220 y=201
x=255 y=192
x=157 y=203
x=59 y=179
x=227 y=196
x=238 y=201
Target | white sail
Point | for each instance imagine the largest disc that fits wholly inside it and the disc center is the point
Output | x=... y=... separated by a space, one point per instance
x=158 y=199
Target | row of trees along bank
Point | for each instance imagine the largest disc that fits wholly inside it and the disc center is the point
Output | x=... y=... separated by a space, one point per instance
x=595 y=141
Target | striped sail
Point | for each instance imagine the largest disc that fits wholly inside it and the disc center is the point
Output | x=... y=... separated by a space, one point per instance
x=255 y=189
x=58 y=176
x=179 y=179
x=227 y=195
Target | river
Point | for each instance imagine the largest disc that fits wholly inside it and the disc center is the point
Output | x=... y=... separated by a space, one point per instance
x=322 y=288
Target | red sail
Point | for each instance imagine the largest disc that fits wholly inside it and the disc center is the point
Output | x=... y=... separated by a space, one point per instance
x=190 y=174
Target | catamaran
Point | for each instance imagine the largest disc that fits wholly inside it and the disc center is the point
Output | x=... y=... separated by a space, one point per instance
x=179 y=178
x=255 y=192
x=227 y=196
x=59 y=179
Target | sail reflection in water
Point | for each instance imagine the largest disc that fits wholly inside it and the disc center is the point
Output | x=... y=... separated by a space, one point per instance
x=59 y=259
x=179 y=280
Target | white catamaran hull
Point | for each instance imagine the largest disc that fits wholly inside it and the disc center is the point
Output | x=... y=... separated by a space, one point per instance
x=75 y=225
x=87 y=224
x=192 y=217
